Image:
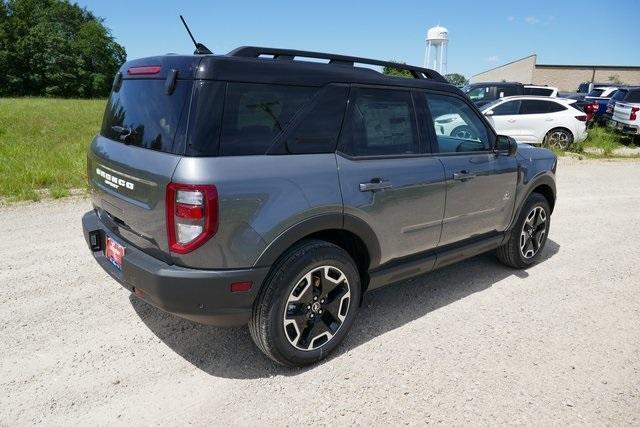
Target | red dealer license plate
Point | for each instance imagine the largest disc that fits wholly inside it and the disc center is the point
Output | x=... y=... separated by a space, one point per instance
x=114 y=253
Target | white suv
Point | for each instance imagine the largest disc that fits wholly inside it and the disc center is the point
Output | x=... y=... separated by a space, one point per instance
x=538 y=119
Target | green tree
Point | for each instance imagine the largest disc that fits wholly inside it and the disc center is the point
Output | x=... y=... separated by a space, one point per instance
x=456 y=79
x=615 y=79
x=55 y=48
x=392 y=71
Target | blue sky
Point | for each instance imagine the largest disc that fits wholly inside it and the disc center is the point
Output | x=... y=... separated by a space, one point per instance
x=482 y=34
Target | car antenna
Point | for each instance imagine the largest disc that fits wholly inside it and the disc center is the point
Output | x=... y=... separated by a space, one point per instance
x=200 y=48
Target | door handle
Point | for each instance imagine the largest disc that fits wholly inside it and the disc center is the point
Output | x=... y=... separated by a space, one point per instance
x=548 y=120
x=375 y=184
x=511 y=120
x=463 y=176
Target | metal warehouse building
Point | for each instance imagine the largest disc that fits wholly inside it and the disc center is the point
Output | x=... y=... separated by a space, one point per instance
x=564 y=77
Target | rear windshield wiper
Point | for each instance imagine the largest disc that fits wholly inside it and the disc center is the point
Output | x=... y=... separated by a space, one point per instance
x=123 y=132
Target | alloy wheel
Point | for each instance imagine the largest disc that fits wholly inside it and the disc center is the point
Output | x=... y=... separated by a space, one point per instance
x=558 y=139
x=316 y=308
x=533 y=232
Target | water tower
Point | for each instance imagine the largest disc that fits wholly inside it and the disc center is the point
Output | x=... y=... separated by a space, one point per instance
x=435 y=55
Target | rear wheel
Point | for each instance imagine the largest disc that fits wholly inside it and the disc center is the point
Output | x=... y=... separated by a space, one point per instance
x=307 y=304
x=529 y=235
x=559 y=139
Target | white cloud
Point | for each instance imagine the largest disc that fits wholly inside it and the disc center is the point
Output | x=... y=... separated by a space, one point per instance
x=493 y=58
x=511 y=18
x=531 y=20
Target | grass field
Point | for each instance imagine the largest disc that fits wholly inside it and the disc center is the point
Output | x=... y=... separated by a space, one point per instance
x=43 y=145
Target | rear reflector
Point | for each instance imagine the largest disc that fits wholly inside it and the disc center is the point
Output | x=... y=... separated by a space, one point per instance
x=136 y=71
x=241 y=286
x=582 y=118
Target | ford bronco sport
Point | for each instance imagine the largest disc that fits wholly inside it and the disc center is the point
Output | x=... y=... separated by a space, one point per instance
x=262 y=187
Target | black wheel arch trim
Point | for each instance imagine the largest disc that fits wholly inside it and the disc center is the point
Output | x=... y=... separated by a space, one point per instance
x=318 y=223
x=541 y=179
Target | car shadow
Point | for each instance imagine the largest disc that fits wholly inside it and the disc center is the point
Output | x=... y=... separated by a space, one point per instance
x=230 y=352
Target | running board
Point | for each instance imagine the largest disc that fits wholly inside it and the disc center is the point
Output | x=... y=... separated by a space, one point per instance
x=415 y=265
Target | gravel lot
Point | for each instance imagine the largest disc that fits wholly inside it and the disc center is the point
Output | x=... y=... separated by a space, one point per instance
x=472 y=343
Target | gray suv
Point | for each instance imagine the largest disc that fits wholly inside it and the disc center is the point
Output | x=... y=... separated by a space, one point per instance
x=262 y=187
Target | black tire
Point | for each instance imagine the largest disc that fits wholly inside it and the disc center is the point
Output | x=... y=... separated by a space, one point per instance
x=511 y=253
x=559 y=138
x=287 y=277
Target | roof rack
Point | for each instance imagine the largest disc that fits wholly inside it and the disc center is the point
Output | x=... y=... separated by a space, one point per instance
x=290 y=54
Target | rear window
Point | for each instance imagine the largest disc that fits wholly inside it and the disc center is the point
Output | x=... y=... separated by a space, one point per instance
x=619 y=95
x=254 y=114
x=539 y=91
x=596 y=92
x=142 y=115
x=633 y=96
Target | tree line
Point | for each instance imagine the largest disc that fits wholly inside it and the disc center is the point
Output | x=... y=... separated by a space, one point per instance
x=55 y=48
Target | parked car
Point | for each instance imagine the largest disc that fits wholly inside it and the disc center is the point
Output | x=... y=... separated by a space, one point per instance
x=586 y=87
x=537 y=120
x=626 y=117
x=257 y=188
x=583 y=90
x=600 y=96
x=485 y=92
x=623 y=94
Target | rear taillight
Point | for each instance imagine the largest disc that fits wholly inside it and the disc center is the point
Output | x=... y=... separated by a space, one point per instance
x=591 y=108
x=582 y=118
x=633 y=115
x=192 y=215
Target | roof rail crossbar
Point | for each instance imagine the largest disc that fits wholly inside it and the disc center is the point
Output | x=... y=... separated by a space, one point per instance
x=255 y=52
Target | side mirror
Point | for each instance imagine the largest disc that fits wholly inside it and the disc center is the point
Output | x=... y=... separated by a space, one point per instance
x=506 y=145
x=488 y=113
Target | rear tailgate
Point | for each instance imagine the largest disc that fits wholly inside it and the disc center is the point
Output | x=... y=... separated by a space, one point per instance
x=133 y=159
x=622 y=113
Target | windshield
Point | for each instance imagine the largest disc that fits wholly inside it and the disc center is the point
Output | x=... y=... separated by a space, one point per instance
x=479 y=93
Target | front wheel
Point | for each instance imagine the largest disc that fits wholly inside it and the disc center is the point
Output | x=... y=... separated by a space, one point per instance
x=307 y=304
x=529 y=235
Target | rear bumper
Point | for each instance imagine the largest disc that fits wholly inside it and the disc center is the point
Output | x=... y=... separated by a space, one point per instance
x=623 y=127
x=203 y=296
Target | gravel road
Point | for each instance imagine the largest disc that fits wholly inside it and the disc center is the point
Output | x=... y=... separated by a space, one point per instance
x=472 y=343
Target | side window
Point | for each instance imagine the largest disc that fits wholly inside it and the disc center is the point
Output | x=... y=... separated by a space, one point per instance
x=539 y=91
x=480 y=94
x=508 y=90
x=380 y=122
x=507 y=108
x=458 y=128
x=317 y=131
x=531 y=106
x=254 y=114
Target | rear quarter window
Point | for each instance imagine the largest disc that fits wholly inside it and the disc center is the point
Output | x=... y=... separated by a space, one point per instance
x=255 y=114
x=142 y=109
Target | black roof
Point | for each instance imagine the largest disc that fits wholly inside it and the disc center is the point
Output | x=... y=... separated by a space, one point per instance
x=281 y=66
x=494 y=83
